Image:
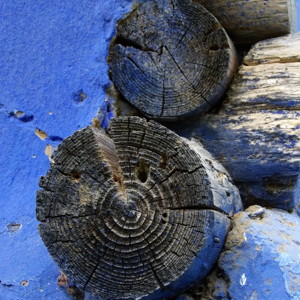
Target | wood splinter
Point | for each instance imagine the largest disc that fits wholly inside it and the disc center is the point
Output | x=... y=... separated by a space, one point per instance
x=135 y=213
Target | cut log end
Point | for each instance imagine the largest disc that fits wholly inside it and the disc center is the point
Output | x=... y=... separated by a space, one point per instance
x=135 y=213
x=171 y=59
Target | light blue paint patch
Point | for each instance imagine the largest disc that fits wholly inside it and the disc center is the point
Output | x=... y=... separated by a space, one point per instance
x=284 y=259
x=296 y=268
x=269 y=258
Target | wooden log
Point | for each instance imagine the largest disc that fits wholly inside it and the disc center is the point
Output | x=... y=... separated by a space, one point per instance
x=137 y=212
x=171 y=59
x=256 y=134
x=250 y=21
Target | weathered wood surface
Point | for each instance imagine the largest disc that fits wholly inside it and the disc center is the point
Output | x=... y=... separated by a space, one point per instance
x=137 y=212
x=256 y=134
x=171 y=59
x=249 y=21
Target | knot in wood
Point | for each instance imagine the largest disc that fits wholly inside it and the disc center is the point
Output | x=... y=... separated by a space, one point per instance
x=171 y=59
x=145 y=215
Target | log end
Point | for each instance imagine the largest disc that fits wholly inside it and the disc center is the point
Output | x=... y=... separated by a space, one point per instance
x=134 y=212
x=171 y=60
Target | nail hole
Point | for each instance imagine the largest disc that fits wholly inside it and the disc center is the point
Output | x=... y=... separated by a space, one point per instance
x=227 y=194
x=13 y=227
x=217 y=240
x=55 y=138
x=115 y=178
x=214 y=48
x=163 y=163
x=75 y=175
x=165 y=215
x=142 y=170
x=79 y=96
x=24 y=283
x=108 y=107
x=21 y=116
x=164 y=222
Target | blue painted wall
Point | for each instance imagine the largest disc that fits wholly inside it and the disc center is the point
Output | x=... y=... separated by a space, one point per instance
x=53 y=75
x=298 y=14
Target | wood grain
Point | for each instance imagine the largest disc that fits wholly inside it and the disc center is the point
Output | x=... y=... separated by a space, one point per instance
x=171 y=59
x=137 y=212
x=256 y=134
x=250 y=21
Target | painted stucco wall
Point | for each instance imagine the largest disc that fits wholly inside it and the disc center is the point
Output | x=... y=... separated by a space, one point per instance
x=53 y=75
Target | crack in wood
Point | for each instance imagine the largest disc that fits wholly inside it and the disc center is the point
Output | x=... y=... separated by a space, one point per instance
x=136 y=65
x=127 y=42
x=114 y=244
x=163 y=94
x=182 y=37
x=198 y=207
x=100 y=259
x=140 y=31
x=160 y=283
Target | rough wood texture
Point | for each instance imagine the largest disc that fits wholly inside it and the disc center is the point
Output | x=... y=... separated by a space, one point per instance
x=139 y=212
x=256 y=133
x=249 y=21
x=171 y=59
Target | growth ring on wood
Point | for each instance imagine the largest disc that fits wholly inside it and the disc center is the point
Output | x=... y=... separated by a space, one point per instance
x=135 y=212
x=171 y=59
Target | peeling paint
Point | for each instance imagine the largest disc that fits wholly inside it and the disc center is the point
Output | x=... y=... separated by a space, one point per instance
x=243 y=279
x=41 y=134
x=49 y=150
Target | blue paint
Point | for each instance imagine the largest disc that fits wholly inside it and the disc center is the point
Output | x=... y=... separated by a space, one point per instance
x=298 y=14
x=269 y=261
x=51 y=51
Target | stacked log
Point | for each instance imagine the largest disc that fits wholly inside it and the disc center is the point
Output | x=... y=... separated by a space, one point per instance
x=250 y=21
x=140 y=212
x=256 y=134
